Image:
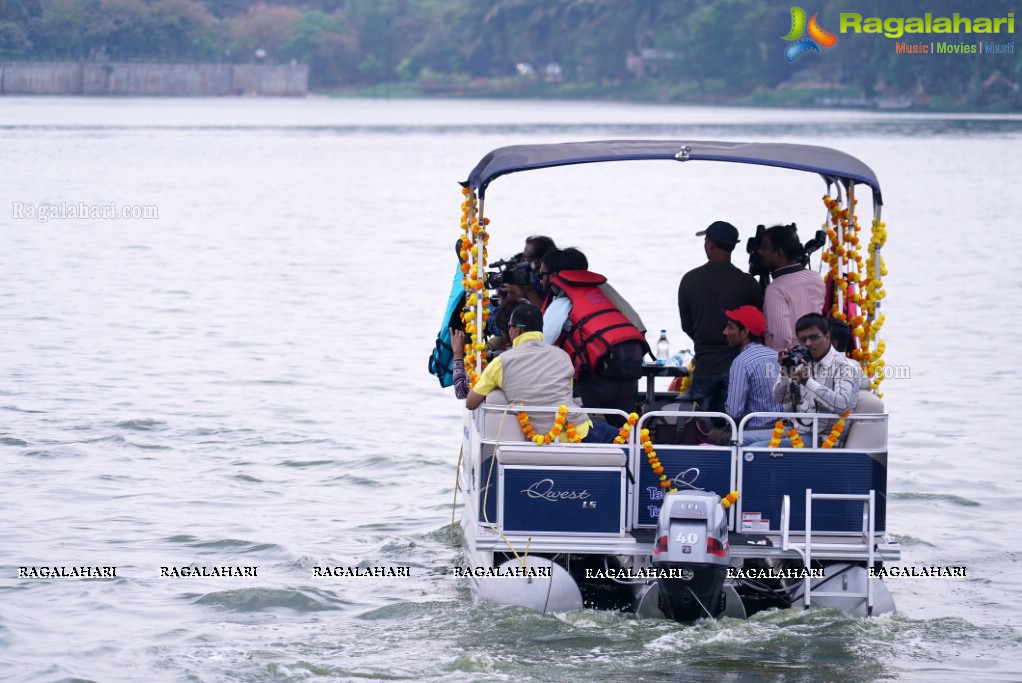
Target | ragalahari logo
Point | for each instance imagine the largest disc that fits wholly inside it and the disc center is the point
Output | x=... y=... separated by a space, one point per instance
x=817 y=36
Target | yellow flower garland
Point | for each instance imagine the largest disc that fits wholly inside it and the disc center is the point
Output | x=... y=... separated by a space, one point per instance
x=626 y=429
x=796 y=438
x=835 y=433
x=654 y=462
x=859 y=285
x=561 y=424
x=473 y=253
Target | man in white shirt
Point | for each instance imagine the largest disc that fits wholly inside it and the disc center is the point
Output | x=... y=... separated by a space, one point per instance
x=828 y=383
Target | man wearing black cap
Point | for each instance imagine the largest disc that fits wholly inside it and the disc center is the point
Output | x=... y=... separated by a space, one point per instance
x=703 y=296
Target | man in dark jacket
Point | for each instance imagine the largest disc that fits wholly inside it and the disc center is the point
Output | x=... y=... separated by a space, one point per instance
x=703 y=296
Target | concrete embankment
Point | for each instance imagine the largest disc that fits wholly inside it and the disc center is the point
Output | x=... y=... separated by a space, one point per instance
x=185 y=80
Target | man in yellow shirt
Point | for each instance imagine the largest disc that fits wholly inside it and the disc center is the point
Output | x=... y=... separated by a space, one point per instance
x=535 y=373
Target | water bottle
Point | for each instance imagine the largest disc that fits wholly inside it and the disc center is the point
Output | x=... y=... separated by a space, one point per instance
x=680 y=359
x=663 y=348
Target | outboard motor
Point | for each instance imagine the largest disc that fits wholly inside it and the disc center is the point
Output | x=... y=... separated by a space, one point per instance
x=691 y=555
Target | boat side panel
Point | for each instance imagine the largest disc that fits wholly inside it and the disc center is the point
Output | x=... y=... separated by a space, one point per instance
x=768 y=475
x=563 y=499
x=698 y=469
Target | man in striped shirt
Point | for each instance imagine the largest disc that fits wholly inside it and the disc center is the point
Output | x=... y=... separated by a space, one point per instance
x=794 y=290
x=751 y=381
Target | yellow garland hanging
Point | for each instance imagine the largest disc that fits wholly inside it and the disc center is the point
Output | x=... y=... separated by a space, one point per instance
x=654 y=462
x=859 y=285
x=561 y=424
x=473 y=253
x=835 y=433
x=626 y=429
x=796 y=438
x=775 y=439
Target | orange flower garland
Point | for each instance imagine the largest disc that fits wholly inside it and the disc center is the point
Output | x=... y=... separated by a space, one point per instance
x=654 y=461
x=858 y=283
x=472 y=252
x=796 y=438
x=835 y=433
x=626 y=429
x=561 y=424
x=647 y=446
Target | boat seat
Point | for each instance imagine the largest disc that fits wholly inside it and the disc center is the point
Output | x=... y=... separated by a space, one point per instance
x=562 y=456
x=497 y=425
x=867 y=434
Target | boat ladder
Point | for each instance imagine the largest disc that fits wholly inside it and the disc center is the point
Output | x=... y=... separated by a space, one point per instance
x=806 y=549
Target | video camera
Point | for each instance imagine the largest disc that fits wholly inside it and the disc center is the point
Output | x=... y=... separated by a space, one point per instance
x=513 y=271
x=757 y=268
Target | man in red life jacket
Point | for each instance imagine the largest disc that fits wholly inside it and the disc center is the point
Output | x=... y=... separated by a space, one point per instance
x=605 y=348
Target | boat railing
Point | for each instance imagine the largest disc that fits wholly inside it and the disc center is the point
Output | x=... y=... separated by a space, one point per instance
x=763 y=475
x=868 y=429
x=497 y=422
x=551 y=490
x=856 y=468
x=699 y=466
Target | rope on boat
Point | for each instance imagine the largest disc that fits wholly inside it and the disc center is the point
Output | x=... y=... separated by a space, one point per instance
x=457 y=485
x=522 y=559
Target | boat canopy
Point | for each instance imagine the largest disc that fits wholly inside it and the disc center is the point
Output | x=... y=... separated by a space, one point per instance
x=833 y=165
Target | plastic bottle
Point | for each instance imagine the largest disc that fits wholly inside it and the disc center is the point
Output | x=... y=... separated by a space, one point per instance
x=680 y=359
x=663 y=348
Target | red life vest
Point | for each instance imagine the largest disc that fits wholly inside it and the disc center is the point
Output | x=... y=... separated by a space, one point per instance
x=596 y=324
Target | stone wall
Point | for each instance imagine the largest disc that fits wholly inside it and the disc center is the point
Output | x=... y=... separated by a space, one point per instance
x=127 y=79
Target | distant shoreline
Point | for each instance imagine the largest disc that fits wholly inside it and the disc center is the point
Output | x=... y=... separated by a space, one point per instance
x=817 y=98
x=153 y=79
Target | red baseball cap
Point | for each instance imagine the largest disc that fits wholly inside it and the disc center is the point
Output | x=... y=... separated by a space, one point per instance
x=749 y=316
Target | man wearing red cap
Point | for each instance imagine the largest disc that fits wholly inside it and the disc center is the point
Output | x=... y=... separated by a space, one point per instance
x=751 y=380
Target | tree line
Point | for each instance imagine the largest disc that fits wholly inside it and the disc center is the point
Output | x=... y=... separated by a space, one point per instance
x=676 y=47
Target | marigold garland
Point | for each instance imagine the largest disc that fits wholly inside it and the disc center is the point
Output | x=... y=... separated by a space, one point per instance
x=654 y=462
x=857 y=284
x=835 y=433
x=626 y=429
x=473 y=252
x=775 y=439
x=796 y=438
x=561 y=424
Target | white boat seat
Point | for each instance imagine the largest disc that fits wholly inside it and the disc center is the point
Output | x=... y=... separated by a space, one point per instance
x=562 y=456
x=867 y=434
x=500 y=426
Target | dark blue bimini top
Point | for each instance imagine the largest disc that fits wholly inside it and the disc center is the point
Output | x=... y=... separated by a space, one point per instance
x=829 y=163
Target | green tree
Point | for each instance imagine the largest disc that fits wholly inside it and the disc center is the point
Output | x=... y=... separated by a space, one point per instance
x=266 y=30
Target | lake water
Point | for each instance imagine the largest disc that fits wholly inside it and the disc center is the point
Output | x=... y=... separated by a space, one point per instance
x=240 y=380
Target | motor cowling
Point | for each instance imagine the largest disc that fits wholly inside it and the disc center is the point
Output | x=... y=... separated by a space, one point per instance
x=691 y=555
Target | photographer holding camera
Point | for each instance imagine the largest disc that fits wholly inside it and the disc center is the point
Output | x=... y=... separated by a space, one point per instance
x=815 y=378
